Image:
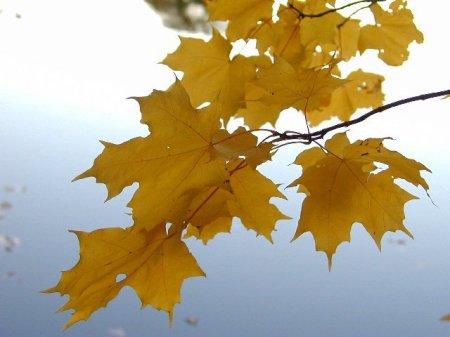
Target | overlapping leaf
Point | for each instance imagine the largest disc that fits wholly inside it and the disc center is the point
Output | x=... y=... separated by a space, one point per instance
x=242 y=17
x=153 y=263
x=342 y=189
x=176 y=159
x=391 y=35
x=363 y=90
x=247 y=197
x=303 y=89
x=210 y=75
x=253 y=192
x=183 y=171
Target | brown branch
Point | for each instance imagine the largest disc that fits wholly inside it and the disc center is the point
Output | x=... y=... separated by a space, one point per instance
x=308 y=138
x=423 y=97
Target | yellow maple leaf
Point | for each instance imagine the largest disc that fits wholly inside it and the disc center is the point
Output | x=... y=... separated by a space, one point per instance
x=309 y=41
x=153 y=263
x=303 y=89
x=347 y=39
x=252 y=192
x=242 y=17
x=319 y=30
x=182 y=155
x=247 y=197
x=210 y=75
x=363 y=90
x=342 y=189
x=173 y=160
x=209 y=214
x=285 y=37
x=391 y=35
x=256 y=113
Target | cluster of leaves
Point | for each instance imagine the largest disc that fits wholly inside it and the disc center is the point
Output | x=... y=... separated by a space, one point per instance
x=195 y=176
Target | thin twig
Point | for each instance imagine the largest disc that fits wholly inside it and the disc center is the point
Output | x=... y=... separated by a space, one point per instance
x=331 y=10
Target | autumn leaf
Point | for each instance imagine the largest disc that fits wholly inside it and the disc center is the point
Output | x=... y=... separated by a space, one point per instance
x=319 y=30
x=213 y=209
x=210 y=75
x=253 y=192
x=153 y=263
x=255 y=112
x=209 y=215
x=303 y=89
x=391 y=35
x=342 y=188
x=167 y=168
x=242 y=17
x=363 y=90
x=347 y=38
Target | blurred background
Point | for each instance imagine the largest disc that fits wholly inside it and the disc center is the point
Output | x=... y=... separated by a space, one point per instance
x=66 y=69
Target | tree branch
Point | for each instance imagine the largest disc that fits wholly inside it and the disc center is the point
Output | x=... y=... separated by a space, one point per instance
x=331 y=10
x=308 y=138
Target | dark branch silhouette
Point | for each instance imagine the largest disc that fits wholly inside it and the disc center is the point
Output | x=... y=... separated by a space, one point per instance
x=307 y=138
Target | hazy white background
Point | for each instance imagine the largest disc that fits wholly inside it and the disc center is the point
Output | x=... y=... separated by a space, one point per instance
x=66 y=68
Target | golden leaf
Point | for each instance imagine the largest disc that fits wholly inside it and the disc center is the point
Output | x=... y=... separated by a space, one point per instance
x=153 y=263
x=303 y=89
x=253 y=192
x=363 y=90
x=210 y=75
x=242 y=17
x=342 y=189
x=391 y=35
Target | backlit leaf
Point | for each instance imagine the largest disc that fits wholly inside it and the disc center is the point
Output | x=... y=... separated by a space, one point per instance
x=342 y=190
x=391 y=35
x=153 y=263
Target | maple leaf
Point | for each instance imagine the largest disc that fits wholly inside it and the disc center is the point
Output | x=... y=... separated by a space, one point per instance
x=347 y=38
x=284 y=38
x=307 y=41
x=391 y=35
x=153 y=263
x=241 y=18
x=303 y=89
x=256 y=113
x=210 y=75
x=341 y=189
x=176 y=158
x=213 y=209
x=185 y=151
x=253 y=191
x=319 y=30
x=362 y=90
x=209 y=215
